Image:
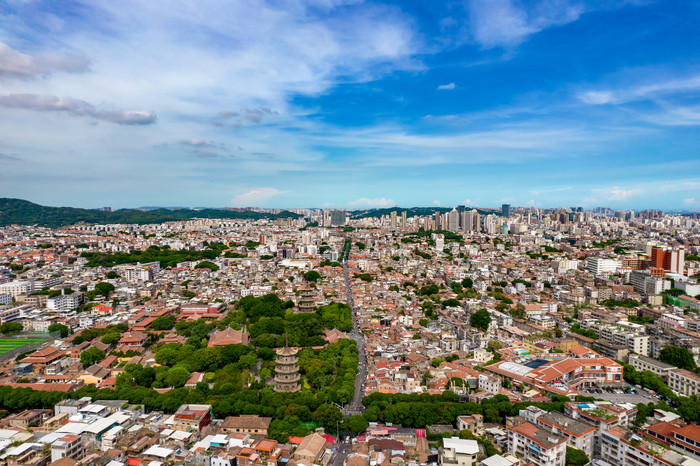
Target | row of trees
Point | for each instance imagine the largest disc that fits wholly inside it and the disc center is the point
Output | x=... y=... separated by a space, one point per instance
x=420 y=410
x=162 y=254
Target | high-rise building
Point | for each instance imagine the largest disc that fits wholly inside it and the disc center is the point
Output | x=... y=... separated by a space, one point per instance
x=465 y=221
x=492 y=224
x=338 y=218
x=403 y=220
x=393 y=219
x=670 y=259
x=505 y=210
x=453 y=220
x=476 y=220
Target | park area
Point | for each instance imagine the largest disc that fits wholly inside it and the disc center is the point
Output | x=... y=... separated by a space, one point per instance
x=11 y=343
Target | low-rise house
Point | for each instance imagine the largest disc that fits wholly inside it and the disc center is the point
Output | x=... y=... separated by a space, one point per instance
x=681 y=437
x=474 y=423
x=68 y=446
x=192 y=416
x=94 y=374
x=311 y=449
x=684 y=382
x=535 y=445
x=247 y=424
x=28 y=418
x=229 y=336
x=579 y=435
x=622 y=447
x=458 y=452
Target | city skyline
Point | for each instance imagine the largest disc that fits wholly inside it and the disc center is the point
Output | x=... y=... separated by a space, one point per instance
x=351 y=104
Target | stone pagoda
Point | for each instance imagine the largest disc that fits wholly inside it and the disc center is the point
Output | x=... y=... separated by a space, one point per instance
x=287 y=370
x=306 y=302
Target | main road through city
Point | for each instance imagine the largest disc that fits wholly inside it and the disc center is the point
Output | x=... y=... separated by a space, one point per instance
x=355 y=407
x=343 y=447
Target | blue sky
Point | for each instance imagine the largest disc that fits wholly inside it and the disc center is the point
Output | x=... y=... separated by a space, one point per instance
x=331 y=103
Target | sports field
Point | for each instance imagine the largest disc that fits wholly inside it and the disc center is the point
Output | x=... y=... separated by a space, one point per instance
x=8 y=344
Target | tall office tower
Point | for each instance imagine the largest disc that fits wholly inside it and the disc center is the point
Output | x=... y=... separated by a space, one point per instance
x=393 y=219
x=476 y=220
x=465 y=221
x=670 y=259
x=490 y=224
x=436 y=224
x=326 y=218
x=338 y=217
x=505 y=210
x=403 y=220
x=453 y=220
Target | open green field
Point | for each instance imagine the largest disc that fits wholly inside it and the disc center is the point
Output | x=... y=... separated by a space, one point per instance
x=8 y=344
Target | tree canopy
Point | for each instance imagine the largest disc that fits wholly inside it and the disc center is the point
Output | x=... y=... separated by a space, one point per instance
x=678 y=356
x=64 y=330
x=576 y=457
x=480 y=319
x=91 y=356
x=207 y=265
x=312 y=276
x=11 y=328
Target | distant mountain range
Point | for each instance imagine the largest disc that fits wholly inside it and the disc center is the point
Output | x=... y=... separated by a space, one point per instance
x=21 y=212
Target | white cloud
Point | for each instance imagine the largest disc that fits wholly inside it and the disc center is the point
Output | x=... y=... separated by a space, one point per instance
x=195 y=143
x=75 y=107
x=506 y=23
x=615 y=193
x=689 y=201
x=640 y=85
x=470 y=203
x=446 y=87
x=256 y=197
x=619 y=194
x=373 y=202
x=644 y=189
x=530 y=203
x=436 y=203
x=248 y=68
x=537 y=192
x=672 y=115
x=596 y=97
x=15 y=64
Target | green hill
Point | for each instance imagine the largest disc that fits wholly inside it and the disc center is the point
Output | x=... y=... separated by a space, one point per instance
x=21 y=212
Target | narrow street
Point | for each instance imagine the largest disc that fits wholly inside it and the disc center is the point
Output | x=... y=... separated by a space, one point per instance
x=355 y=407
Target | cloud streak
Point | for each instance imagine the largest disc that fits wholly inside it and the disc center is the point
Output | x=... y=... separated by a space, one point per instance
x=376 y=202
x=17 y=65
x=256 y=197
x=75 y=107
x=636 y=91
x=9 y=157
x=505 y=23
x=446 y=87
